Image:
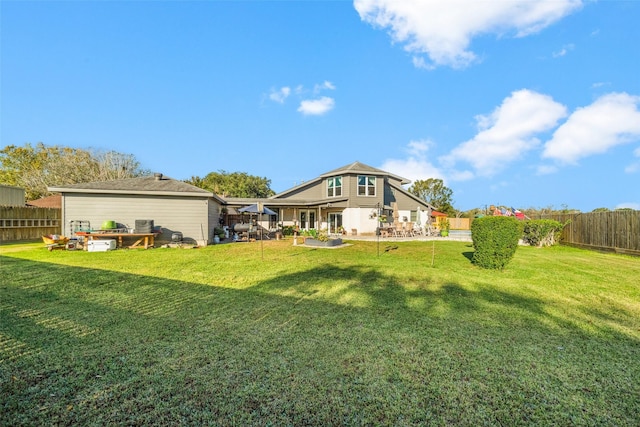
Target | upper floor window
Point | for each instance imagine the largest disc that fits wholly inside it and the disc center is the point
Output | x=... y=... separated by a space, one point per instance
x=334 y=186
x=366 y=185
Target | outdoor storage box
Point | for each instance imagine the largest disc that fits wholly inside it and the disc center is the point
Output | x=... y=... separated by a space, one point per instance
x=101 y=245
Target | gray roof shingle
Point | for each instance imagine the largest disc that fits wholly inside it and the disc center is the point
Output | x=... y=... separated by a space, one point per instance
x=145 y=184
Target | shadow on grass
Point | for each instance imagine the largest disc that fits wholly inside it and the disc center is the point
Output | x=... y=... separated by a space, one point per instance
x=328 y=345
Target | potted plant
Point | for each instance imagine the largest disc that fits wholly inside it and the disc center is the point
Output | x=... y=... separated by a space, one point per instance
x=320 y=238
x=218 y=234
x=444 y=227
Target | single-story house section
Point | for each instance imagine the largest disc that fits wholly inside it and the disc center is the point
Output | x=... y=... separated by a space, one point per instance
x=54 y=201
x=173 y=205
x=350 y=198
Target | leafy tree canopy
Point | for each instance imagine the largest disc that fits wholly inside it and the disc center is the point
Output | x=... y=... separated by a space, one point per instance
x=234 y=184
x=35 y=168
x=434 y=192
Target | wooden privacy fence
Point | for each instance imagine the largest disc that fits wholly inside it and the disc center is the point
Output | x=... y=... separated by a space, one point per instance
x=617 y=231
x=459 y=223
x=28 y=223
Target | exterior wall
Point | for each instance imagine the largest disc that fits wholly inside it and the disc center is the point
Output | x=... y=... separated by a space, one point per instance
x=11 y=196
x=351 y=185
x=213 y=219
x=358 y=218
x=189 y=215
x=314 y=191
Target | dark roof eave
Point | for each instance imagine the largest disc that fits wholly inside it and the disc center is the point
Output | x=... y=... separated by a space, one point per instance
x=286 y=202
x=132 y=192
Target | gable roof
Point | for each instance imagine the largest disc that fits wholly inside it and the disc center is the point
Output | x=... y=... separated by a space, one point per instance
x=145 y=185
x=361 y=168
x=352 y=168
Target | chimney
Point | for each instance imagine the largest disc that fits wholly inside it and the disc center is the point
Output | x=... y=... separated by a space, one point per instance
x=157 y=176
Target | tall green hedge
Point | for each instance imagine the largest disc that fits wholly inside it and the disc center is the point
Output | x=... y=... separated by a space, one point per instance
x=495 y=240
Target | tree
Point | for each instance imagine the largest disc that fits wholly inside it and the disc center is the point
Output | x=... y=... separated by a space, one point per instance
x=234 y=184
x=35 y=168
x=434 y=192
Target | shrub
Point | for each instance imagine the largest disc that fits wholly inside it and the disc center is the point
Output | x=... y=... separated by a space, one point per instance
x=495 y=240
x=288 y=230
x=542 y=232
x=321 y=235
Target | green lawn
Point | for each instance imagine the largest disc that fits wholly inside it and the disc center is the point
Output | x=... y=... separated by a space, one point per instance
x=229 y=335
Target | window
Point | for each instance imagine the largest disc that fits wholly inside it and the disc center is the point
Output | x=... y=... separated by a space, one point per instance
x=334 y=186
x=366 y=185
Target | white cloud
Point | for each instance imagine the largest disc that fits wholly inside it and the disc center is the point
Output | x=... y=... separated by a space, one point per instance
x=311 y=107
x=630 y=205
x=443 y=30
x=416 y=166
x=280 y=95
x=316 y=107
x=546 y=169
x=600 y=84
x=419 y=148
x=611 y=120
x=634 y=167
x=412 y=169
x=562 y=52
x=326 y=85
x=507 y=133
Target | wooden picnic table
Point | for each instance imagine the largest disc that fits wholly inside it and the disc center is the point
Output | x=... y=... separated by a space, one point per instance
x=145 y=240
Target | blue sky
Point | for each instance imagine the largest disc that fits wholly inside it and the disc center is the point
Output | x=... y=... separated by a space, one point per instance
x=517 y=103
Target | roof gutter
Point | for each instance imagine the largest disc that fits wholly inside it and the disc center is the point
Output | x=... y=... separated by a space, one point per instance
x=131 y=192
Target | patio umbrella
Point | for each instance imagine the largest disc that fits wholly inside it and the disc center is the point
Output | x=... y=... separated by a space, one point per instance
x=257 y=209
x=418 y=222
x=396 y=214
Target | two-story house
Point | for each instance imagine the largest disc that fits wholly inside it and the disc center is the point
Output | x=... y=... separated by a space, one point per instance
x=354 y=197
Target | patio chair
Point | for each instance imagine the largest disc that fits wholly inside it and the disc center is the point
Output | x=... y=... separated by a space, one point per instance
x=408 y=229
x=398 y=230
